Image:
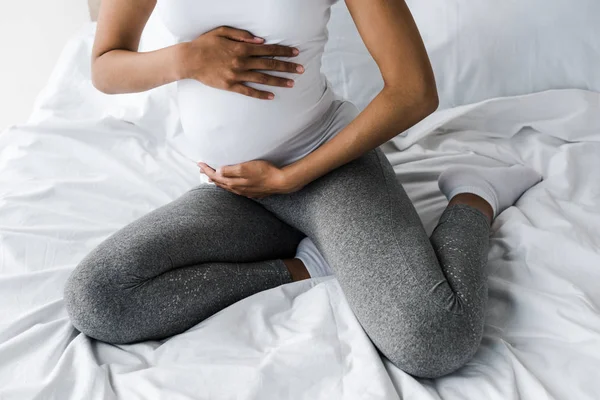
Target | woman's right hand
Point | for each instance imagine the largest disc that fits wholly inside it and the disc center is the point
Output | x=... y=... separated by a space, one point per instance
x=225 y=58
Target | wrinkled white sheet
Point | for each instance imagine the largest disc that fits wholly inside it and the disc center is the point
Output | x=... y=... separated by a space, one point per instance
x=86 y=164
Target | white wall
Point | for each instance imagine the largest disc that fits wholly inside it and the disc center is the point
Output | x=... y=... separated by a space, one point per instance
x=32 y=34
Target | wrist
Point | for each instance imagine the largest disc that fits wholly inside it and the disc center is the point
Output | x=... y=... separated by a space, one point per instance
x=293 y=178
x=179 y=62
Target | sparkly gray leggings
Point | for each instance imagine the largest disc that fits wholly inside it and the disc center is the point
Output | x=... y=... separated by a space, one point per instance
x=420 y=300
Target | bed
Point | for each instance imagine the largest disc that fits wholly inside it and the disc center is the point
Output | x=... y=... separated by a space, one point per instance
x=85 y=164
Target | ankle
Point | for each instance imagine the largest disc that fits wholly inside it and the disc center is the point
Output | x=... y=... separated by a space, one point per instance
x=474 y=201
x=296 y=269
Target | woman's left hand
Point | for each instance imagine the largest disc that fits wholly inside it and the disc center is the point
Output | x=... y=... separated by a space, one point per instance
x=254 y=179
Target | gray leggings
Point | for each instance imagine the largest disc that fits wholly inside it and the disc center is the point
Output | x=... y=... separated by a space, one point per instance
x=421 y=301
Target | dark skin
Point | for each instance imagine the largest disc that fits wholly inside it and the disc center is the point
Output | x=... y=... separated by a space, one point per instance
x=227 y=58
x=224 y=58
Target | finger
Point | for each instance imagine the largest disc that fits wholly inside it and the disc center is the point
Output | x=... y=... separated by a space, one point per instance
x=205 y=169
x=251 y=92
x=270 y=80
x=229 y=189
x=273 y=50
x=238 y=34
x=204 y=166
x=231 y=171
x=209 y=179
x=270 y=64
x=220 y=182
x=229 y=182
x=238 y=183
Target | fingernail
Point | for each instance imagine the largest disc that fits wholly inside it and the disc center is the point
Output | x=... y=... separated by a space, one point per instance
x=258 y=38
x=300 y=68
x=271 y=96
x=290 y=83
x=296 y=52
x=201 y=170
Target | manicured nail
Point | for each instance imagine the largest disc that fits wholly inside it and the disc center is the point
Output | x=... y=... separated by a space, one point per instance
x=296 y=52
x=258 y=38
x=290 y=83
x=300 y=68
x=271 y=96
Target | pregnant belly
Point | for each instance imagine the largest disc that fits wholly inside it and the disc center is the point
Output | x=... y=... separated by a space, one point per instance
x=226 y=128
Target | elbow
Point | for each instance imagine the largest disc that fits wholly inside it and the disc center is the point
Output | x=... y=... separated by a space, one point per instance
x=430 y=100
x=425 y=98
x=99 y=80
x=422 y=98
x=430 y=103
x=100 y=84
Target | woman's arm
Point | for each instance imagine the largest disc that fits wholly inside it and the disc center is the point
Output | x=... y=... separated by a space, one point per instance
x=117 y=67
x=224 y=58
x=409 y=94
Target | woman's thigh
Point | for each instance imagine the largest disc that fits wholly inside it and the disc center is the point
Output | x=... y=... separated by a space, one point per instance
x=205 y=224
x=359 y=215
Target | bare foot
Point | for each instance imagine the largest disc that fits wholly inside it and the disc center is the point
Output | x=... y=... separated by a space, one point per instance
x=297 y=269
x=474 y=201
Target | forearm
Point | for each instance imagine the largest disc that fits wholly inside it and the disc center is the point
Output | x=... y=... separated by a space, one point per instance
x=390 y=113
x=124 y=71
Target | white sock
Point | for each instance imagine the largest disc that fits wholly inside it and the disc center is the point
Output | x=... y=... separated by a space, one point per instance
x=314 y=262
x=499 y=186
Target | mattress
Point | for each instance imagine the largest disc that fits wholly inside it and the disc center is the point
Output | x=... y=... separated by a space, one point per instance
x=86 y=164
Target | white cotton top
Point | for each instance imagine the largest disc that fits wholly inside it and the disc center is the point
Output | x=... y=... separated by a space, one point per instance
x=226 y=128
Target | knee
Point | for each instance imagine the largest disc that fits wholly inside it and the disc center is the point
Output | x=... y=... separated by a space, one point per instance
x=432 y=350
x=423 y=359
x=94 y=304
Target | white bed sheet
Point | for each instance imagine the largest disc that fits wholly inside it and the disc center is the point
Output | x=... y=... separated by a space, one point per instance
x=86 y=164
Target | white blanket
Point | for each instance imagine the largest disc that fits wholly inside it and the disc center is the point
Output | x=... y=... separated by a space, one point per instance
x=86 y=164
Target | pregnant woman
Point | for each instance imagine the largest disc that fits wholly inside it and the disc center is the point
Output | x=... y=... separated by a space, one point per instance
x=295 y=185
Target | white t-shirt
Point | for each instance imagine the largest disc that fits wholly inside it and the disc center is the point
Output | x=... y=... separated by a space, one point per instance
x=225 y=128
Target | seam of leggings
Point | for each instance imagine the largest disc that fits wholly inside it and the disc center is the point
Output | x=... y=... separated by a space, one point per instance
x=433 y=300
x=390 y=216
x=447 y=215
x=387 y=188
x=483 y=219
x=479 y=214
